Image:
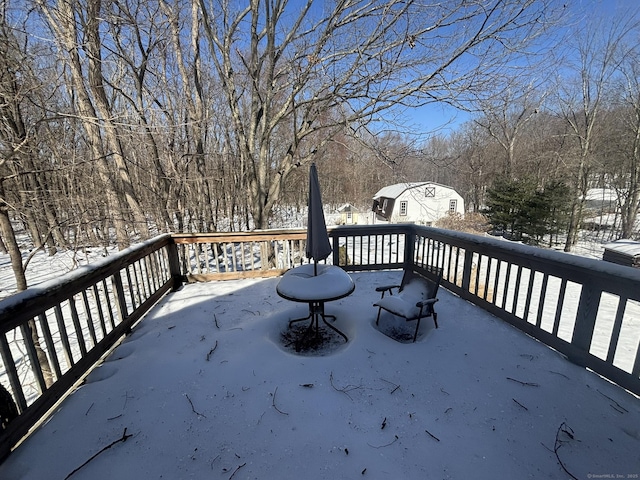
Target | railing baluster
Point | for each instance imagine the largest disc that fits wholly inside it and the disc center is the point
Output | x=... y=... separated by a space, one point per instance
x=516 y=292
x=76 y=325
x=457 y=266
x=507 y=284
x=559 y=307
x=542 y=297
x=10 y=367
x=496 y=282
x=87 y=312
x=48 y=340
x=527 y=303
x=617 y=326
x=130 y=285
x=32 y=354
x=64 y=338
x=148 y=276
x=487 y=278
x=107 y=297
x=478 y=269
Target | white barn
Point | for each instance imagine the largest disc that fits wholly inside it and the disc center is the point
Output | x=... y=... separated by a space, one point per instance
x=417 y=202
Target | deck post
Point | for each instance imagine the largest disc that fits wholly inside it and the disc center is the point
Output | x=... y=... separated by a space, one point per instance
x=174 y=265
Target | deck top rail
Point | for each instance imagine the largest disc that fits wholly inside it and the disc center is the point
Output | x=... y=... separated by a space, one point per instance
x=53 y=334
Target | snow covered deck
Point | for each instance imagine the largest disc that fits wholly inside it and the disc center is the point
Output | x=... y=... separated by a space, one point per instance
x=204 y=387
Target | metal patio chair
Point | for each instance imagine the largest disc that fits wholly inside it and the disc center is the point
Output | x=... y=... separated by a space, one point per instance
x=415 y=297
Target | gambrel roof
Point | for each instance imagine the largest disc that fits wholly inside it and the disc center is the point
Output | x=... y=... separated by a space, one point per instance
x=394 y=191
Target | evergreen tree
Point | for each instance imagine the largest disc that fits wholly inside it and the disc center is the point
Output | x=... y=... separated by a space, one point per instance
x=508 y=205
x=525 y=212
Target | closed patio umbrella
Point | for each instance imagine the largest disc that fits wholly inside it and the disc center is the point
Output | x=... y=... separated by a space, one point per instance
x=318 y=246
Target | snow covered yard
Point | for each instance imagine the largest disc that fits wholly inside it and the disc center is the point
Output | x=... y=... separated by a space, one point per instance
x=205 y=387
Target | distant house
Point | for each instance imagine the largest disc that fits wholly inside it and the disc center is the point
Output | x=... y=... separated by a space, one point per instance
x=348 y=214
x=418 y=202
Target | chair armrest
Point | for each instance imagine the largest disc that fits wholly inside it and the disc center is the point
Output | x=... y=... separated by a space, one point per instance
x=424 y=303
x=386 y=288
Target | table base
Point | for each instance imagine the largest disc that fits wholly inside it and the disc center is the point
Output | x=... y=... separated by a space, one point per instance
x=316 y=311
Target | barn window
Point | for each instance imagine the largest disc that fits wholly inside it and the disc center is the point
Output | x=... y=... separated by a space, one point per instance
x=430 y=192
x=403 y=207
x=453 y=206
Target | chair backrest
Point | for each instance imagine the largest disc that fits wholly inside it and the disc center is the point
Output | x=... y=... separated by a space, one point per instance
x=429 y=280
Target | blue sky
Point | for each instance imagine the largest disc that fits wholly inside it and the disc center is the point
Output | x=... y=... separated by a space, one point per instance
x=443 y=119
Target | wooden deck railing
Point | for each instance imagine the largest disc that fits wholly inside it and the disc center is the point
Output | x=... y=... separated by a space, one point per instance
x=53 y=334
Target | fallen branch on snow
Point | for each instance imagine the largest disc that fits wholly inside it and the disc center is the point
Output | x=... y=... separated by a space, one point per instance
x=563 y=429
x=273 y=403
x=344 y=390
x=122 y=439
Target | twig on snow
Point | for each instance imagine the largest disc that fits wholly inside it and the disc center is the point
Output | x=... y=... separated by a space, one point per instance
x=519 y=404
x=193 y=408
x=396 y=386
x=215 y=319
x=273 y=403
x=236 y=470
x=526 y=384
x=620 y=407
x=344 y=390
x=123 y=439
x=386 y=444
x=212 y=350
x=566 y=429
x=432 y=435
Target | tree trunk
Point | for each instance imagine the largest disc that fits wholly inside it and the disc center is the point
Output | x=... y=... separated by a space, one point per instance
x=8 y=234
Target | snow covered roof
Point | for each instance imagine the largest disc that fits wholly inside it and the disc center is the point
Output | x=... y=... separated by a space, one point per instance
x=347 y=207
x=394 y=191
x=625 y=246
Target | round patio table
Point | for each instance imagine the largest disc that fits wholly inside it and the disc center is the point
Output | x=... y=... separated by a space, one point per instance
x=315 y=285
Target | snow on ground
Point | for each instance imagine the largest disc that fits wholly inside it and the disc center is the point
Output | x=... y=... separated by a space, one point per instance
x=207 y=388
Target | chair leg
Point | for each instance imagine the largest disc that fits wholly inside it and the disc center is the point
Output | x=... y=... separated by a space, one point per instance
x=378 y=318
x=435 y=319
x=415 y=335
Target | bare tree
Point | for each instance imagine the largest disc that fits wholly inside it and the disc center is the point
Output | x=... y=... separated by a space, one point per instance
x=505 y=116
x=297 y=71
x=595 y=59
x=628 y=172
x=76 y=27
x=17 y=147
